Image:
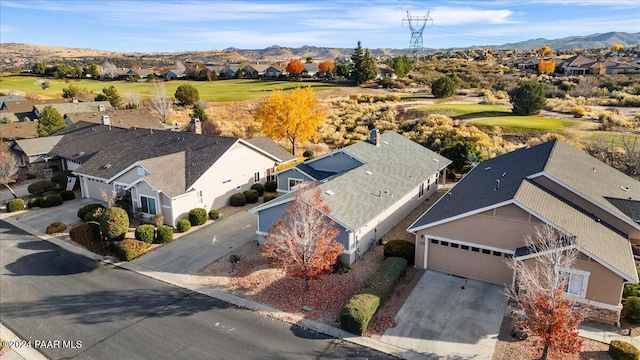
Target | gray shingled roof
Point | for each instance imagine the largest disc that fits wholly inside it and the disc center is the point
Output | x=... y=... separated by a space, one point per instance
x=272 y=148
x=128 y=118
x=166 y=178
x=19 y=130
x=630 y=207
x=68 y=108
x=38 y=146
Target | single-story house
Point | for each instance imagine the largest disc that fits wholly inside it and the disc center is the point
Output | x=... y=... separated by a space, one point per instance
x=140 y=118
x=310 y=70
x=385 y=71
x=33 y=154
x=578 y=65
x=274 y=71
x=369 y=186
x=4 y=98
x=173 y=74
x=480 y=225
x=24 y=108
x=255 y=71
x=141 y=73
x=163 y=172
x=18 y=130
x=75 y=107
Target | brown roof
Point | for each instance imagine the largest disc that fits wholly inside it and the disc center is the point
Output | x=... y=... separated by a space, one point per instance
x=23 y=106
x=131 y=118
x=19 y=130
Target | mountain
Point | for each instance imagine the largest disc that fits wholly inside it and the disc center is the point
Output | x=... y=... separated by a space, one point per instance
x=592 y=41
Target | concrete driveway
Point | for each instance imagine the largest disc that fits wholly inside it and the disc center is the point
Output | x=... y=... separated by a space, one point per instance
x=448 y=317
x=66 y=213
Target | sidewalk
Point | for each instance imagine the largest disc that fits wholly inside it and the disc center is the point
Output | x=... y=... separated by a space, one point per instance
x=606 y=336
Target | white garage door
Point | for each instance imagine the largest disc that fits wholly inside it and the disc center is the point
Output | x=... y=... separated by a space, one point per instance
x=469 y=262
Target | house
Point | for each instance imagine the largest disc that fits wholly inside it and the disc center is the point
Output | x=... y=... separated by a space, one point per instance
x=369 y=186
x=577 y=65
x=24 y=108
x=162 y=172
x=140 y=73
x=274 y=72
x=75 y=107
x=309 y=70
x=33 y=155
x=10 y=98
x=140 y=118
x=481 y=223
x=255 y=71
x=18 y=130
x=173 y=74
x=9 y=117
x=229 y=71
x=385 y=71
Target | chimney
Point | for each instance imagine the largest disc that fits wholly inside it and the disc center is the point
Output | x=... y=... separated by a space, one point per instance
x=106 y=120
x=196 y=126
x=101 y=107
x=374 y=137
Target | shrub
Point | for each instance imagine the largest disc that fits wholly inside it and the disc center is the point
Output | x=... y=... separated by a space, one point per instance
x=183 y=225
x=165 y=234
x=528 y=98
x=51 y=200
x=356 y=314
x=251 y=196
x=158 y=219
x=34 y=202
x=114 y=223
x=187 y=94
x=308 y=154
x=259 y=188
x=214 y=214
x=145 y=233
x=88 y=209
x=40 y=187
x=622 y=350
x=15 y=205
x=30 y=176
x=129 y=249
x=271 y=186
x=238 y=200
x=56 y=227
x=49 y=193
x=632 y=309
x=88 y=235
x=269 y=197
x=444 y=87
x=60 y=178
x=632 y=289
x=400 y=248
x=197 y=216
x=67 y=195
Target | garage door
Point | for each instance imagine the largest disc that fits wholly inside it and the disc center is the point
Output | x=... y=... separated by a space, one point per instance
x=469 y=262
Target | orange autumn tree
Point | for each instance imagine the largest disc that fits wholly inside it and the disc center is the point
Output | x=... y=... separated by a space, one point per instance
x=302 y=242
x=327 y=66
x=618 y=47
x=295 y=116
x=545 y=50
x=546 y=66
x=295 y=67
x=539 y=296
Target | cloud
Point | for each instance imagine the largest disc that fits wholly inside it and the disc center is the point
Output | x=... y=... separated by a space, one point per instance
x=7 y=29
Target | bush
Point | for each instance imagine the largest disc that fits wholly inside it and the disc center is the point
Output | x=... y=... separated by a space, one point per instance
x=238 y=200
x=259 y=188
x=114 y=223
x=30 y=176
x=271 y=186
x=269 y=197
x=129 y=249
x=309 y=154
x=631 y=309
x=56 y=227
x=34 y=202
x=51 y=200
x=632 y=289
x=356 y=314
x=528 y=98
x=40 y=187
x=622 y=350
x=197 y=216
x=88 y=235
x=60 y=178
x=443 y=87
x=251 y=196
x=145 y=233
x=15 y=205
x=187 y=94
x=88 y=209
x=183 y=225
x=67 y=195
x=400 y=248
x=165 y=234
x=214 y=214
x=49 y=193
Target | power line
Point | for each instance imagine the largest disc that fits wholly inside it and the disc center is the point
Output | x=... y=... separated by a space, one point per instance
x=416 y=30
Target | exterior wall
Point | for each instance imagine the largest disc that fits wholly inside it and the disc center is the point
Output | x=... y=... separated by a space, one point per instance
x=165 y=208
x=129 y=177
x=283 y=178
x=338 y=162
x=181 y=205
x=268 y=217
x=92 y=188
x=607 y=316
x=70 y=164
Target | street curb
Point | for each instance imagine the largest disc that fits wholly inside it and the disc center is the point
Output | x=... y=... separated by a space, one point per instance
x=22 y=352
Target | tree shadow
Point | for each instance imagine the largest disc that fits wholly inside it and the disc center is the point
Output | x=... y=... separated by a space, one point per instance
x=483 y=114
x=54 y=262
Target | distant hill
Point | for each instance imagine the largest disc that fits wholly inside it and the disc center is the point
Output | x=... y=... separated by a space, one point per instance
x=593 y=41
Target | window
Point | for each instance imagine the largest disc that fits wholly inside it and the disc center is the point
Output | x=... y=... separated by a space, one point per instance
x=497 y=253
x=140 y=171
x=421 y=191
x=454 y=245
x=148 y=205
x=464 y=247
x=475 y=249
x=226 y=181
x=577 y=283
x=444 y=243
x=485 y=251
x=199 y=198
x=434 y=241
x=256 y=177
x=294 y=182
x=428 y=184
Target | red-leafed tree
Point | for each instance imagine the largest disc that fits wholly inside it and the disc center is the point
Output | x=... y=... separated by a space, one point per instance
x=295 y=67
x=302 y=241
x=327 y=66
x=542 y=305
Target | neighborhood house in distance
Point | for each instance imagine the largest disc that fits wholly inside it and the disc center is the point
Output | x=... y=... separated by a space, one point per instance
x=370 y=187
x=483 y=220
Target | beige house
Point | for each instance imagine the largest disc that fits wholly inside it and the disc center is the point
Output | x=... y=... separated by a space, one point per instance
x=481 y=223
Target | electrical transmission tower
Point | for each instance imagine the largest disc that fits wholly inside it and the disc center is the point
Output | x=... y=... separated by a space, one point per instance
x=417 y=25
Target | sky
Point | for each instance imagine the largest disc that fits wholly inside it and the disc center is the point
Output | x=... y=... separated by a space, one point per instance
x=173 y=26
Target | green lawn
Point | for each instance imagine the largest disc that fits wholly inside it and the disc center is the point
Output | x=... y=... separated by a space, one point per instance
x=466 y=111
x=611 y=138
x=224 y=90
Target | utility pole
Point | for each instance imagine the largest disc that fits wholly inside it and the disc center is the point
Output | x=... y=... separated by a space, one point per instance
x=417 y=25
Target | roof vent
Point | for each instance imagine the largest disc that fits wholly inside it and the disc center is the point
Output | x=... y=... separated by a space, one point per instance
x=330 y=192
x=385 y=142
x=624 y=188
x=487 y=168
x=81 y=153
x=497 y=184
x=436 y=160
x=107 y=166
x=368 y=172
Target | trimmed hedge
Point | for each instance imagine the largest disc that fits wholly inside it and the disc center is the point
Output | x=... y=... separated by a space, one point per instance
x=238 y=200
x=56 y=227
x=268 y=197
x=259 y=188
x=632 y=289
x=165 y=234
x=49 y=193
x=214 y=214
x=60 y=177
x=251 y=196
x=67 y=195
x=30 y=176
x=34 y=202
x=15 y=205
x=51 y=200
x=271 y=186
x=183 y=225
x=88 y=235
x=357 y=313
x=145 y=233
x=40 y=187
x=89 y=209
x=631 y=309
x=129 y=249
x=197 y=216
x=114 y=223
x=622 y=350
x=400 y=248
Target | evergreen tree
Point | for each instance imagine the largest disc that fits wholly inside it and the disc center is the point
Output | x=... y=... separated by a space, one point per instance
x=198 y=112
x=50 y=121
x=363 y=66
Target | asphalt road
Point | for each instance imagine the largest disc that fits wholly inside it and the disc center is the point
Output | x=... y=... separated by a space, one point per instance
x=48 y=293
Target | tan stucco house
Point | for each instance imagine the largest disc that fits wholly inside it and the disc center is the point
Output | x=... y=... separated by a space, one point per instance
x=481 y=223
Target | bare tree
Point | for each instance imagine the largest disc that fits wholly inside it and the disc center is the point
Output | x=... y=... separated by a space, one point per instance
x=108 y=71
x=159 y=101
x=542 y=306
x=43 y=83
x=131 y=98
x=180 y=69
x=8 y=167
x=631 y=157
